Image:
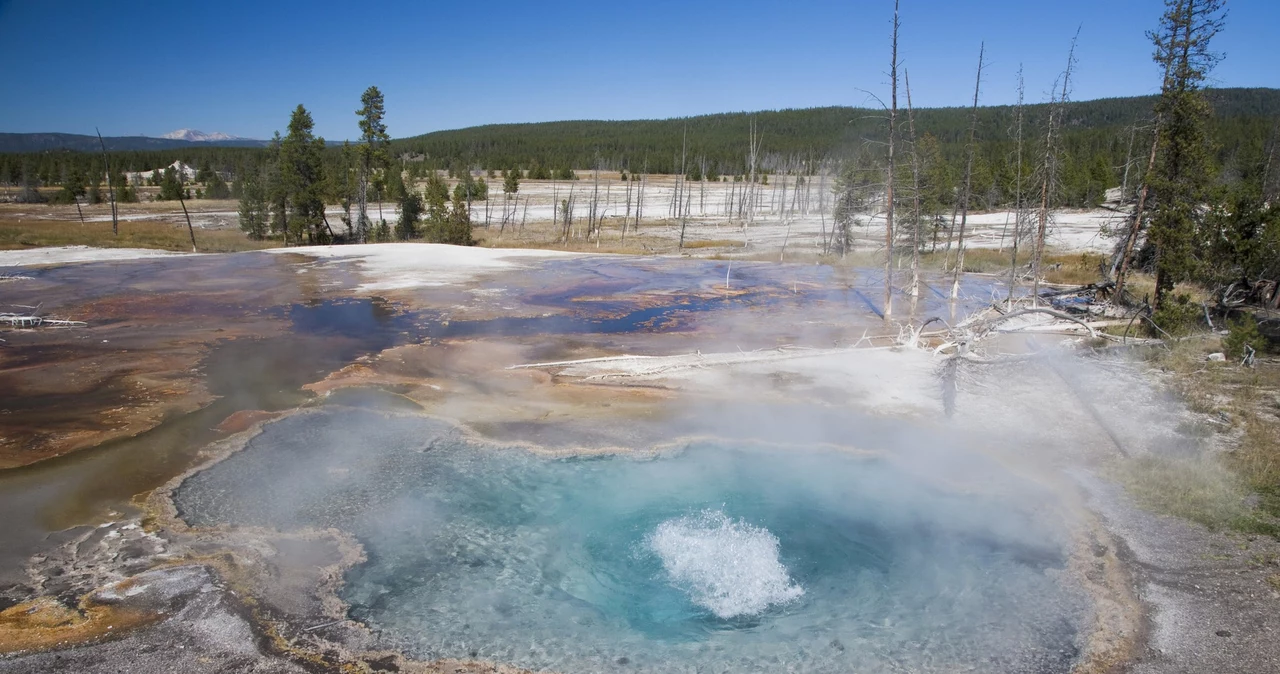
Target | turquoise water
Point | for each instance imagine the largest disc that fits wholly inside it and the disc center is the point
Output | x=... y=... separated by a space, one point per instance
x=710 y=559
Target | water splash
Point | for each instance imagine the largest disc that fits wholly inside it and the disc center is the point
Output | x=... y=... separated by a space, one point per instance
x=727 y=566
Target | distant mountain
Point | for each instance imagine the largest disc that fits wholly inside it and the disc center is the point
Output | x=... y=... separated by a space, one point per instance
x=51 y=142
x=199 y=136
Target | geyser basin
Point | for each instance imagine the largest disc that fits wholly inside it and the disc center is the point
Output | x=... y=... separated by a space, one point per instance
x=710 y=559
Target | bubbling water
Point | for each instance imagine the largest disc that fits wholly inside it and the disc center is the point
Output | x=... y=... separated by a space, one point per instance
x=726 y=566
x=716 y=558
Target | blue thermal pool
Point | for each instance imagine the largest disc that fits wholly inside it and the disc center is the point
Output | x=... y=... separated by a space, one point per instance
x=713 y=558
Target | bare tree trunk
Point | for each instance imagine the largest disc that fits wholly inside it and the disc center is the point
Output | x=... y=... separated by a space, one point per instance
x=1019 y=204
x=782 y=203
x=595 y=199
x=752 y=157
x=733 y=190
x=914 y=289
x=191 y=230
x=888 y=215
x=702 y=190
x=625 y=218
x=968 y=177
x=1050 y=177
x=644 y=180
x=346 y=199
x=1128 y=164
x=822 y=213
x=362 y=224
x=568 y=214
x=1267 y=188
x=111 y=190
x=1135 y=221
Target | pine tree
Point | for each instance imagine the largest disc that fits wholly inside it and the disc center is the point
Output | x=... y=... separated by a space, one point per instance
x=170 y=186
x=937 y=186
x=253 y=205
x=1184 y=171
x=302 y=173
x=459 y=230
x=411 y=207
x=437 y=198
x=276 y=191
x=216 y=188
x=373 y=152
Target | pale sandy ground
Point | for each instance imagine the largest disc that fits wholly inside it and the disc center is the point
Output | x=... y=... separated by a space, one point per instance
x=395 y=266
x=32 y=257
x=801 y=224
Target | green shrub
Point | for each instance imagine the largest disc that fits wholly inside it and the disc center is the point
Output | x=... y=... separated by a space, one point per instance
x=1243 y=332
x=1178 y=316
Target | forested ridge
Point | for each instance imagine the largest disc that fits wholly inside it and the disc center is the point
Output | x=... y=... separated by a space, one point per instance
x=1100 y=139
x=1244 y=118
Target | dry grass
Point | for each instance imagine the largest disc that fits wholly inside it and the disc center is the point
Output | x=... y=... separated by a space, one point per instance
x=1240 y=487
x=1064 y=268
x=1200 y=489
x=28 y=233
x=713 y=243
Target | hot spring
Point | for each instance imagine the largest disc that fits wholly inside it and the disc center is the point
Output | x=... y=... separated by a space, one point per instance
x=716 y=557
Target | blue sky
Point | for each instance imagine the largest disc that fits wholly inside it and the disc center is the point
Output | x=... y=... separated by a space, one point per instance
x=145 y=68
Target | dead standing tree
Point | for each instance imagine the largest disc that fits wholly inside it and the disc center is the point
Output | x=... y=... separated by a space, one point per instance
x=1135 y=220
x=970 y=151
x=888 y=215
x=1049 y=167
x=111 y=188
x=753 y=155
x=913 y=290
x=1020 y=203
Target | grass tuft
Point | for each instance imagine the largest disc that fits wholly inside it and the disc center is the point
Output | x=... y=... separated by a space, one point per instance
x=29 y=233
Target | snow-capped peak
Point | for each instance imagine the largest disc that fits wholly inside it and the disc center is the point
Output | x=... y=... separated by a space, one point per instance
x=198 y=136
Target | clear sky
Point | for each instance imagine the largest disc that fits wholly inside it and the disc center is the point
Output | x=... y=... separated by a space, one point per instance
x=146 y=68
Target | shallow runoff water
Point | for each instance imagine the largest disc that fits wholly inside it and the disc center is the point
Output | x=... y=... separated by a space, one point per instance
x=713 y=558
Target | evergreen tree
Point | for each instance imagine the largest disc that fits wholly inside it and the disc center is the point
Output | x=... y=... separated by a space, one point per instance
x=253 y=205
x=937 y=186
x=373 y=152
x=1183 y=172
x=411 y=207
x=302 y=174
x=277 y=193
x=171 y=188
x=393 y=184
x=216 y=188
x=1243 y=236
x=437 y=198
x=72 y=187
x=511 y=182
x=459 y=230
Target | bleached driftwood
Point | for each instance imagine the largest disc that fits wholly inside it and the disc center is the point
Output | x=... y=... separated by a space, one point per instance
x=35 y=320
x=21 y=321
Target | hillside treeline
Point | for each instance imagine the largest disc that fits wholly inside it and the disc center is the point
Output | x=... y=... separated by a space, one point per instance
x=1101 y=139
